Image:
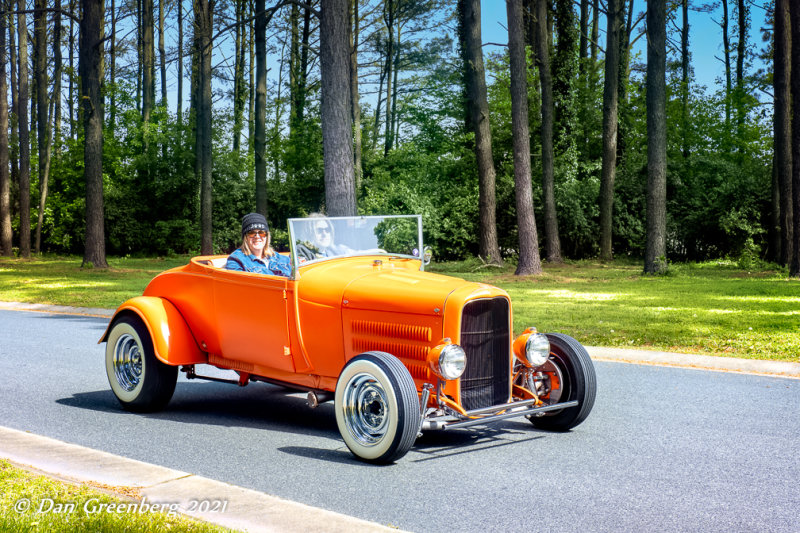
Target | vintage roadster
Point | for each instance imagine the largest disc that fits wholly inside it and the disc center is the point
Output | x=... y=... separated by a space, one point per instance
x=399 y=350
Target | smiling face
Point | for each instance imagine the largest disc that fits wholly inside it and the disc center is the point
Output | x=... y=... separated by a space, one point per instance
x=322 y=234
x=257 y=241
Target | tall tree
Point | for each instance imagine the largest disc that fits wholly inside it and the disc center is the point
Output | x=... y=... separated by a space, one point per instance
x=203 y=26
x=24 y=137
x=261 y=107
x=162 y=53
x=794 y=13
x=741 y=60
x=529 y=261
x=610 y=110
x=179 y=111
x=685 y=79
x=5 y=189
x=90 y=67
x=239 y=94
x=43 y=117
x=478 y=112
x=148 y=63
x=726 y=46
x=656 y=247
x=355 y=106
x=551 y=239
x=782 y=124
x=337 y=127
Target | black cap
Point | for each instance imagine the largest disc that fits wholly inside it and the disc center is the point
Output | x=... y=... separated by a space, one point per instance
x=253 y=221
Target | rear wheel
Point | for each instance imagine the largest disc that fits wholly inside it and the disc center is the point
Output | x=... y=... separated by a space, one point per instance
x=377 y=407
x=138 y=379
x=571 y=369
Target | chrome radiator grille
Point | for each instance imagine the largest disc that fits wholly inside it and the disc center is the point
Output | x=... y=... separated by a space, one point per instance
x=485 y=337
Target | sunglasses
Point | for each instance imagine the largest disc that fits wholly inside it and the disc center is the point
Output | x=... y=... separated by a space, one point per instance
x=260 y=232
x=322 y=230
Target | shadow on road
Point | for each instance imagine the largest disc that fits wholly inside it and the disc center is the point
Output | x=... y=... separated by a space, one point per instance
x=257 y=406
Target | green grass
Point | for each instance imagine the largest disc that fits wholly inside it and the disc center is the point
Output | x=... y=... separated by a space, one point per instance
x=712 y=308
x=62 y=281
x=33 y=502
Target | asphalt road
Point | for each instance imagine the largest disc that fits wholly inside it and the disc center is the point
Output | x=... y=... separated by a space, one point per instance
x=665 y=449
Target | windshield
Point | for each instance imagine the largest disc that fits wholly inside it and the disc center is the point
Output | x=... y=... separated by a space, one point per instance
x=320 y=238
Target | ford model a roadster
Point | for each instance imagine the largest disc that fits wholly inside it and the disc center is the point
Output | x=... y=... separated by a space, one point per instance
x=399 y=350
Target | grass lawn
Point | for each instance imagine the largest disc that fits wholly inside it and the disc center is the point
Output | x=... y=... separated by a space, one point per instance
x=33 y=502
x=712 y=308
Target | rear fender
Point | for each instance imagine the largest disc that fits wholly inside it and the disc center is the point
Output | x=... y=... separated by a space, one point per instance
x=172 y=339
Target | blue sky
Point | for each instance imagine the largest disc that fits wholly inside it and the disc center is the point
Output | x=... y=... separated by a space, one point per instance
x=705 y=35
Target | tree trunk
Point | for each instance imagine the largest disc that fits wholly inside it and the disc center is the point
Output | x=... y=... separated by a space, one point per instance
x=656 y=248
x=58 y=69
x=337 y=128
x=90 y=68
x=478 y=109
x=73 y=120
x=552 y=240
x=261 y=108
x=203 y=16
x=5 y=185
x=610 y=109
x=355 y=106
x=782 y=118
x=14 y=90
x=238 y=76
x=148 y=65
x=162 y=54
x=726 y=45
x=179 y=7
x=595 y=29
x=583 y=50
x=40 y=74
x=388 y=18
x=529 y=260
x=741 y=52
x=251 y=100
x=794 y=12
x=623 y=121
x=685 y=80
x=24 y=138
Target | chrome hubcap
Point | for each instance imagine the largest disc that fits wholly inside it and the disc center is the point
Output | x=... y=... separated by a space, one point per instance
x=365 y=409
x=127 y=362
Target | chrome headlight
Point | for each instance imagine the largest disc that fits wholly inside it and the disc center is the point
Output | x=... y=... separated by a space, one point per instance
x=532 y=348
x=447 y=360
x=537 y=348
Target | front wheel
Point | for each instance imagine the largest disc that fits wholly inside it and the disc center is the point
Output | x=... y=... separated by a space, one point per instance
x=377 y=407
x=569 y=368
x=138 y=379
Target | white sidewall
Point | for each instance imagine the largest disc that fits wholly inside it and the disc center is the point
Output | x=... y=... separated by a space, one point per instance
x=363 y=366
x=120 y=329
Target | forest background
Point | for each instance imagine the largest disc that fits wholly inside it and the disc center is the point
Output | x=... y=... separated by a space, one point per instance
x=170 y=184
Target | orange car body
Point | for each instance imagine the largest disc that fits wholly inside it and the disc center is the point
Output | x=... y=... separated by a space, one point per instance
x=303 y=331
x=399 y=350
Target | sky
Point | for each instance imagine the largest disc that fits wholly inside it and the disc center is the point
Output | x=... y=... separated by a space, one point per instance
x=705 y=35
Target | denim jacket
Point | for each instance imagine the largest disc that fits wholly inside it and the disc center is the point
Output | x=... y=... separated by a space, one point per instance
x=277 y=265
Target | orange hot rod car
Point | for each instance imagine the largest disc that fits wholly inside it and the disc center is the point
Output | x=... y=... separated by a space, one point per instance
x=399 y=350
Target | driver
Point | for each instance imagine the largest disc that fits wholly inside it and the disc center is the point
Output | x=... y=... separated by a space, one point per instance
x=255 y=254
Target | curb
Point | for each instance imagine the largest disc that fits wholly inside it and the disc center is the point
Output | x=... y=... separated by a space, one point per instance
x=784 y=369
x=58 y=309
x=244 y=509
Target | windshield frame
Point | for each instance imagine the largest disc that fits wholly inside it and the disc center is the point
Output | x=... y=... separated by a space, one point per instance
x=293 y=240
